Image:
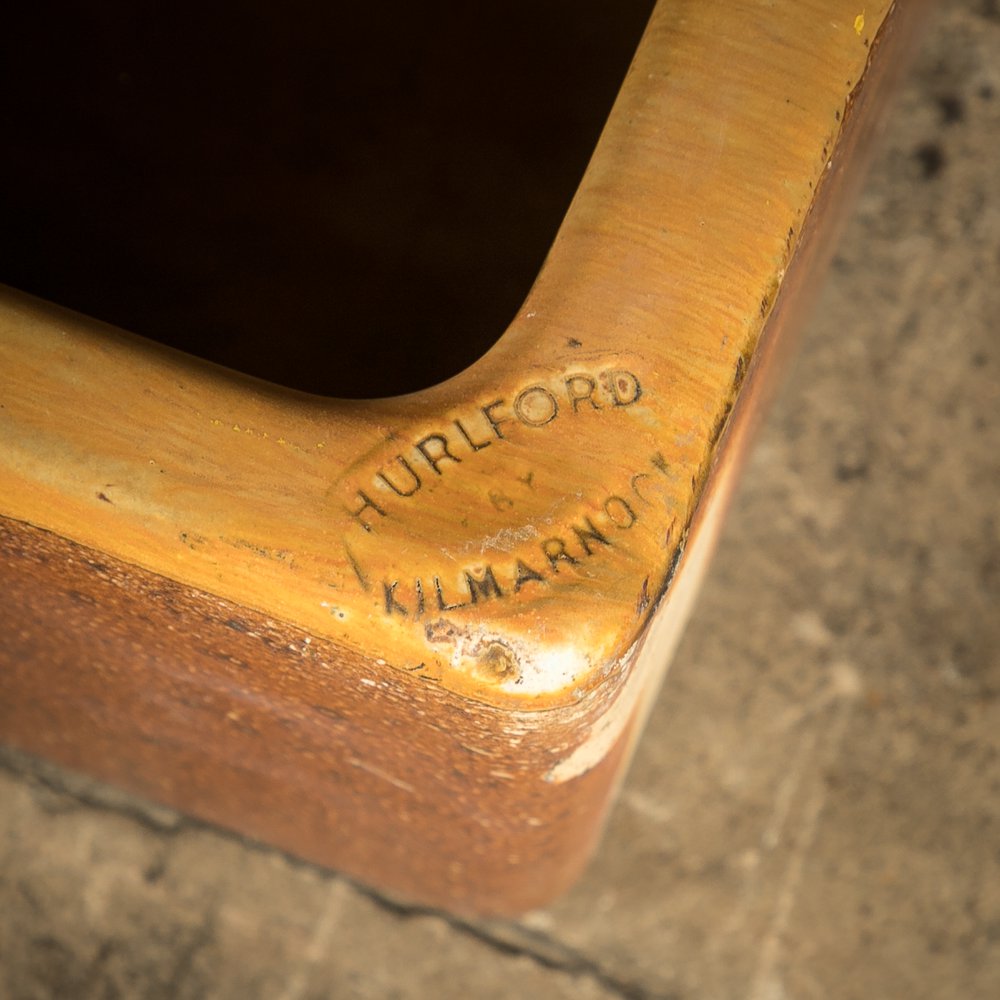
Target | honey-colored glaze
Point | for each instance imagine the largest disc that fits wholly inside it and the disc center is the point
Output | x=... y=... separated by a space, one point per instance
x=665 y=268
x=542 y=501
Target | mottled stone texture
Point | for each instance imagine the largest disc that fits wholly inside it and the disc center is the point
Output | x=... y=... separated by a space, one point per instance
x=814 y=811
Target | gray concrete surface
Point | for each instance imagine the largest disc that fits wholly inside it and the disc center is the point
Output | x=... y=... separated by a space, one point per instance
x=814 y=811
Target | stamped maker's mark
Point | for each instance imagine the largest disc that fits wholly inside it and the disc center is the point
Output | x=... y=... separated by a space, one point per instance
x=538 y=405
x=604 y=528
x=586 y=537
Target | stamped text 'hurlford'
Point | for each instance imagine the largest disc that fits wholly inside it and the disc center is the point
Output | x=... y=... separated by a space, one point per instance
x=433 y=455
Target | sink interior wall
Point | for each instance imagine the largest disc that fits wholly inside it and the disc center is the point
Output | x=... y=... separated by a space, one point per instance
x=349 y=203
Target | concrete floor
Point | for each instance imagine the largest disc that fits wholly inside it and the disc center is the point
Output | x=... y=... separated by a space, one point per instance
x=814 y=811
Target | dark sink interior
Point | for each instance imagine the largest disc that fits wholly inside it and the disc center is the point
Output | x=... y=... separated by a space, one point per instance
x=349 y=203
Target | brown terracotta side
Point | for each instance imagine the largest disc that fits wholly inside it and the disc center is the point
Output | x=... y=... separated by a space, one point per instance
x=257 y=726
